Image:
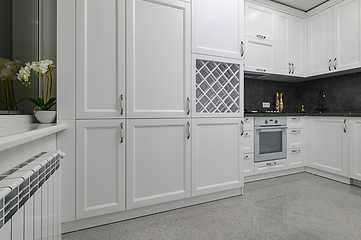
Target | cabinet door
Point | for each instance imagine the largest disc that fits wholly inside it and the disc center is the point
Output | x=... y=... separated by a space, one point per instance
x=328 y=144
x=260 y=55
x=354 y=148
x=296 y=158
x=100 y=58
x=260 y=22
x=248 y=164
x=218 y=27
x=347 y=35
x=217 y=158
x=158 y=161
x=320 y=43
x=100 y=167
x=217 y=87
x=248 y=141
x=158 y=58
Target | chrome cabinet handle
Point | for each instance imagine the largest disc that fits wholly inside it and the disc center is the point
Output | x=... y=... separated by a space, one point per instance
x=296 y=151
x=261 y=36
x=272 y=163
x=293 y=68
x=189 y=106
x=121 y=133
x=296 y=131
x=260 y=70
x=289 y=68
x=296 y=118
x=329 y=64
x=242 y=48
x=334 y=63
x=121 y=104
x=246 y=134
x=344 y=125
x=189 y=130
x=242 y=132
x=247 y=157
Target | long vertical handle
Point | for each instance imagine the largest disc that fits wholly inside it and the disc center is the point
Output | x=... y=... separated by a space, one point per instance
x=334 y=63
x=189 y=130
x=242 y=132
x=121 y=133
x=344 y=125
x=189 y=106
x=242 y=48
x=293 y=68
x=289 y=68
x=329 y=64
x=121 y=104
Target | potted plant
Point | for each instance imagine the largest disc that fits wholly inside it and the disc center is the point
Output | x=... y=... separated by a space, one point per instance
x=43 y=104
x=8 y=102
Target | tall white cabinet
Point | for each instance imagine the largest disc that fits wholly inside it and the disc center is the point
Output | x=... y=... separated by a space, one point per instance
x=158 y=58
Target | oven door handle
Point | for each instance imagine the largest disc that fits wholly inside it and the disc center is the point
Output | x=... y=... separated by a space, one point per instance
x=265 y=128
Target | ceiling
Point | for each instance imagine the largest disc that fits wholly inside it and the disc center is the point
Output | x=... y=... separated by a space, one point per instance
x=303 y=5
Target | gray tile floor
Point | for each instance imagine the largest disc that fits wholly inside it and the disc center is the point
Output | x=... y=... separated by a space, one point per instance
x=299 y=206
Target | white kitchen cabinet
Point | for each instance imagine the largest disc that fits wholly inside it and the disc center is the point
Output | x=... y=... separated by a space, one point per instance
x=320 y=43
x=354 y=148
x=248 y=141
x=328 y=144
x=158 y=161
x=291 y=41
x=248 y=123
x=296 y=122
x=248 y=164
x=218 y=28
x=217 y=87
x=334 y=38
x=270 y=166
x=158 y=58
x=295 y=137
x=347 y=35
x=100 y=167
x=100 y=59
x=217 y=158
x=260 y=22
x=260 y=55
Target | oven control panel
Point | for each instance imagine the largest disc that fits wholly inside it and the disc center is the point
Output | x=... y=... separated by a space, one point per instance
x=270 y=121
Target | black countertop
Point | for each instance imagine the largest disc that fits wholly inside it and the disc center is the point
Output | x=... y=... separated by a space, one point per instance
x=315 y=114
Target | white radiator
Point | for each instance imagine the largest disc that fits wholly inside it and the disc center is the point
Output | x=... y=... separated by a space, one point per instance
x=29 y=199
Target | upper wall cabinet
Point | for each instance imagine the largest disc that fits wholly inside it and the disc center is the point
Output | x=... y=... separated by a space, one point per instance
x=260 y=46
x=100 y=58
x=334 y=39
x=291 y=50
x=218 y=28
x=158 y=58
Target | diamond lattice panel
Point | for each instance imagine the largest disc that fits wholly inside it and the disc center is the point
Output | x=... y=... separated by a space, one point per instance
x=217 y=87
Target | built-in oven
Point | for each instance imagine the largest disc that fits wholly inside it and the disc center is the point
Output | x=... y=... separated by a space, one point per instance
x=270 y=138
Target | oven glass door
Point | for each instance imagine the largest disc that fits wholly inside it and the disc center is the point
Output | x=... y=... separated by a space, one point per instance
x=270 y=144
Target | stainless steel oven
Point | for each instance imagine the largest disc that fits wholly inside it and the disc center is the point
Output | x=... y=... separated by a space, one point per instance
x=270 y=140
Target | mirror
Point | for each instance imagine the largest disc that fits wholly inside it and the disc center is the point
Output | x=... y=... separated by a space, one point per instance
x=28 y=34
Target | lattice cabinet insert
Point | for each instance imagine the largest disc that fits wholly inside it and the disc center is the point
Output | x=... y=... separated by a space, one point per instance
x=217 y=87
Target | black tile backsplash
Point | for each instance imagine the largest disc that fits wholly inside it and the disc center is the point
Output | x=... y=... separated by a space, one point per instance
x=343 y=93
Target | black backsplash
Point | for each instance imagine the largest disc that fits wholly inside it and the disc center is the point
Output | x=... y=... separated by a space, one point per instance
x=343 y=93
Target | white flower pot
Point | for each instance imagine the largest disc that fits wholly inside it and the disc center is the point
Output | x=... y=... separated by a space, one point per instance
x=45 y=116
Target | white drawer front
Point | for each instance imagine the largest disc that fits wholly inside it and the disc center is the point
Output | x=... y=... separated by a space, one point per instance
x=296 y=122
x=248 y=123
x=296 y=158
x=270 y=166
x=295 y=138
x=248 y=141
x=248 y=164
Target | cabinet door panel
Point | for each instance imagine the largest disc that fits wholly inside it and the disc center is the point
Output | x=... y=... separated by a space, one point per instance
x=100 y=58
x=217 y=158
x=100 y=167
x=218 y=27
x=296 y=158
x=260 y=21
x=260 y=55
x=158 y=58
x=354 y=148
x=347 y=35
x=158 y=161
x=320 y=42
x=248 y=164
x=297 y=45
x=328 y=145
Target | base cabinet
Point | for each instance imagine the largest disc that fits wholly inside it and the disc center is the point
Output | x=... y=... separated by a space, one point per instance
x=270 y=166
x=296 y=157
x=158 y=161
x=100 y=167
x=328 y=144
x=216 y=155
x=248 y=164
x=354 y=148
